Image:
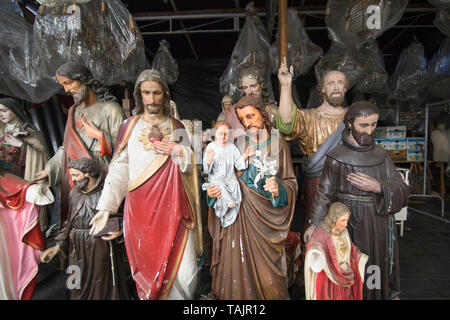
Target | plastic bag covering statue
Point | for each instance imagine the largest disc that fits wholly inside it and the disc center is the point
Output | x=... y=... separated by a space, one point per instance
x=354 y=22
x=442 y=20
x=251 y=49
x=411 y=75
x=19 y=76
x=439 y=68
x=349 y=60
x=440 y=3
x=376 y=78
x=100 y=34
x=302 y=52
x=165 y=63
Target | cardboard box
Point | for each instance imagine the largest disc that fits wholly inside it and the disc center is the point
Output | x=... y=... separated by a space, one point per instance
x=395 y=144
x=414 y=155
x=396 y=132
x=382 y=143
x=381 y=133
x=415 y=143
x=397 y=155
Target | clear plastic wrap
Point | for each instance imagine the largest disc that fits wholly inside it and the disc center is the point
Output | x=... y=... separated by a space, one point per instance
x=12 y=6
x=440 y=3
x=19 y=76
x=302 y=52
x=165 y=63
x=354 y=22
x=442 y=20
x=411 y=75
x=439 y=68
x=349 y=60
x=375 y=80
x=100 y=34
x=250 y=50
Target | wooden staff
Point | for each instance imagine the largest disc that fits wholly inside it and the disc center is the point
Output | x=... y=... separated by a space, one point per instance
x=282 y=31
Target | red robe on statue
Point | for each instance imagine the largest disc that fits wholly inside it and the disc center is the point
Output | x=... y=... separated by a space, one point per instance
x=157 y=218
x=22 y=237
x=336 y=280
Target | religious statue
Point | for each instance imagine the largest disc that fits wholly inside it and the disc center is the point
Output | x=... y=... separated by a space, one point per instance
x=21 y=240
x=153 y=167
x=91 y=128
x=317 y=130
x=101 y=277
x=248 y=259
x=361 y=175
x=22 y=148
x=220 y=158
x=334 y=267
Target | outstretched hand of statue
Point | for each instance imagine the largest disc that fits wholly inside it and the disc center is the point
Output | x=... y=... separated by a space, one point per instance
x=49 y=254
x=364 y=182
x=284 y=74
x=98 y=222
x=91 y=130
x=41 y=175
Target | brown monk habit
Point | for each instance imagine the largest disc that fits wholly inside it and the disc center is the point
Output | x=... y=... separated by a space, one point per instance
x=371 y=225
x=248 y=259
x=92 y=254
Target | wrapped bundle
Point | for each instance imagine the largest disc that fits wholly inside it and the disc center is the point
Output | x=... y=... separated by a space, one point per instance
x=411 y=75
x=165 y=63
x=19 y=74
x=100 y=34
x=349 y=60
x=302 y=52
x=375 y=80
x=439 y=68
x=251 y=50
x=354 y=22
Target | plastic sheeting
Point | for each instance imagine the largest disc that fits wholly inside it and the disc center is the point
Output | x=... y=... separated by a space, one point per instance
x=19 y=75
x=165 y=63
x=411 y=75
x=251 y=50
x=349 y=60
x=354 y=22
x=439 y=68
x=442 y=20
x=375 y=80
x=302 y=52
x=440 y=3
x=100 y=34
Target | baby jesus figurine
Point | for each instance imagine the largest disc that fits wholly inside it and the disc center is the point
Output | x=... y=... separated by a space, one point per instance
x=219 y=161
x=334 y=267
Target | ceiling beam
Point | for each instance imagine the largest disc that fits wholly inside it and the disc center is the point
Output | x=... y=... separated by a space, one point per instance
x=188 y=38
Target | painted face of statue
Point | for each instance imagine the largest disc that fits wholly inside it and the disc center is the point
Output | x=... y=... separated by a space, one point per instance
x=6 y=115
x=79 y=178
x=251 y=86
x=152 y=96
x=363 y=129
x=341 y=223
x=334 y=88
x=222 y=135
x=251 y=118
x=77 y=90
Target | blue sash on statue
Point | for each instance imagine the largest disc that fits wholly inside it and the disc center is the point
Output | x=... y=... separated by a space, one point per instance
x=312 y=166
